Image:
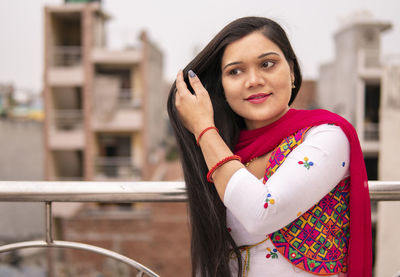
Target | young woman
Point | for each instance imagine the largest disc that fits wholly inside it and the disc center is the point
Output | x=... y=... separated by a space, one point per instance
x=272 y=191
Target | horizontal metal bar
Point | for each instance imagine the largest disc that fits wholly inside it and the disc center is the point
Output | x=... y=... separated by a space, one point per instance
x=80 y=191
x=384 y=190
x=126 y=192
x=81 y=246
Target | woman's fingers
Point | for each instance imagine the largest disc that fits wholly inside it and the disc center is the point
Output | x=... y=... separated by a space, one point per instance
x=196 y=83
x=195 y=111
x=180 y=83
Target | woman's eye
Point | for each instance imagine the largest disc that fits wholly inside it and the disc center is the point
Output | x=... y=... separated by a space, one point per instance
x=268 y=64
x=235 y=71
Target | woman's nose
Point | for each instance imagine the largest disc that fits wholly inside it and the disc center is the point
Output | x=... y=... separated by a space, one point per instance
x=254 y=79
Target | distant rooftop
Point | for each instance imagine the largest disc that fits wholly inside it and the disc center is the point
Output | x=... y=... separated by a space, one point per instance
x=362 y=17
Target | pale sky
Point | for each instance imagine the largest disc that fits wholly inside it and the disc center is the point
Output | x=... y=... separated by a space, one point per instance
x=180 y=27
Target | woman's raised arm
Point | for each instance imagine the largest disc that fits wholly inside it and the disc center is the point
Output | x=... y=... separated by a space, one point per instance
x=196 y=113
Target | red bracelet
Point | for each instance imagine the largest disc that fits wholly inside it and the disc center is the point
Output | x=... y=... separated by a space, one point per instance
x=220 y=163
x=205 y=130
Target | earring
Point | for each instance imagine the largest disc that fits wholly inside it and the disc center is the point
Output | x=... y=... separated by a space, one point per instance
x=293 y=86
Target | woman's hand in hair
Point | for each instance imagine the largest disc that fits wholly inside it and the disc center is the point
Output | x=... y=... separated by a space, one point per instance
x=195 y=110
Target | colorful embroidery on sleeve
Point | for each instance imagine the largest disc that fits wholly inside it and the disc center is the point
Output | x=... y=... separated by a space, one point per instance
x=268 y=200
x=307 y=164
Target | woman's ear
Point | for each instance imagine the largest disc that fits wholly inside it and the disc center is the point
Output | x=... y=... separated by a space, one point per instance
x=291 y=71
x=291 y=65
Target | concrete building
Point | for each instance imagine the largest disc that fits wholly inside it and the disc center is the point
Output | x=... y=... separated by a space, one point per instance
x=102 y=106
x=358 y=86
x=105 y=121
x=387 y=239
x=350 y=86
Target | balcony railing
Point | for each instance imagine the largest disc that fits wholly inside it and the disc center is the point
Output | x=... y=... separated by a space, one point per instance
x=118 y=192
x=68 y=119
x=371 y=131
x=64 y=56
x=116 y=167
x=126 y=99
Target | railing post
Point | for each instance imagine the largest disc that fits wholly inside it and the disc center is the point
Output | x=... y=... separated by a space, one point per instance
x=49 y=224
x=49 y=238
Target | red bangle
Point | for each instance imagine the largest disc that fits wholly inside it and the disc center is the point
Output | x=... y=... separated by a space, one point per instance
x=205 y=130
x=219 y=164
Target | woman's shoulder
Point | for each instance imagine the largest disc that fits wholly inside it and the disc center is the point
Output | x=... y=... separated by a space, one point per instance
x=326 y=131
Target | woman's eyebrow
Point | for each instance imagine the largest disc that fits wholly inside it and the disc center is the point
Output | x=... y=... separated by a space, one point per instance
x=259 y=57
x=267 y=54
x=230 y=64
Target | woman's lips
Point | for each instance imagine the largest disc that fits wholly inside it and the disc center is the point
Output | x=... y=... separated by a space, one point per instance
x=258 y=98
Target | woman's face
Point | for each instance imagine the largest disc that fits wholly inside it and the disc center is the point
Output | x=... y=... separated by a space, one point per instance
x=257 y=80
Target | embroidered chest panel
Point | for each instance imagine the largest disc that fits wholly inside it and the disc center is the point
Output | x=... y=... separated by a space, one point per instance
x=317 y=240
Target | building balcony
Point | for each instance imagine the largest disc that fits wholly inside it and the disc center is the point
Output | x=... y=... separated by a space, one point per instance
x=67 y=56
x=370 y=139
x=371 y=131
x=66 y=130
x=118 y=120
x=127 y=100
x=116 y=168
x=120 y=57
x=66 y=67
x=369 y=64
x=68 y=119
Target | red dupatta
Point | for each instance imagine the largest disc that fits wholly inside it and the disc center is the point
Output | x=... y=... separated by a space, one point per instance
x=257 y=142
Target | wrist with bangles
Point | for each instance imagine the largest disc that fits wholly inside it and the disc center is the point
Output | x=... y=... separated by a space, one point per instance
x=203 y=132
x=221 y=162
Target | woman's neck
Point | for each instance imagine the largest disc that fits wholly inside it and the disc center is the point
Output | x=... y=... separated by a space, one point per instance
x=251 y=125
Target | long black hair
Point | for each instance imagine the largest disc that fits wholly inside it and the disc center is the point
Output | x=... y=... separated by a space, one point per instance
x=212 y=246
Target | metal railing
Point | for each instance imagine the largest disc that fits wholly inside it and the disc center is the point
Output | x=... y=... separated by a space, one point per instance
x=68 y=119
x=371 y=131
x=67 y=56
x=118 y=192
x=117 y=167
x=126 y=99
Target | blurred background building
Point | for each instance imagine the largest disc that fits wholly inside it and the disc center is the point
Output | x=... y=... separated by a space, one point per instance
x=105 y=121
x=102 y=105
x=364 y=87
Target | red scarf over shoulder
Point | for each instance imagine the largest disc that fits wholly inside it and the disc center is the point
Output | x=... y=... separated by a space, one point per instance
x=257 y=142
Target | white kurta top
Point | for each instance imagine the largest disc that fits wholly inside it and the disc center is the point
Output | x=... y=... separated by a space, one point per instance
x=294 y=189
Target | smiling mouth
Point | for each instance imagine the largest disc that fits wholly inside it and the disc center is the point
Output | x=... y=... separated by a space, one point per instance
x=258 y=98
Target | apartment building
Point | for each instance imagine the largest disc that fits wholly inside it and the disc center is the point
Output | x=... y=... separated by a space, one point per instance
x=105 y=121
x=364 y=88
x=351 y=85
x=102 y=106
